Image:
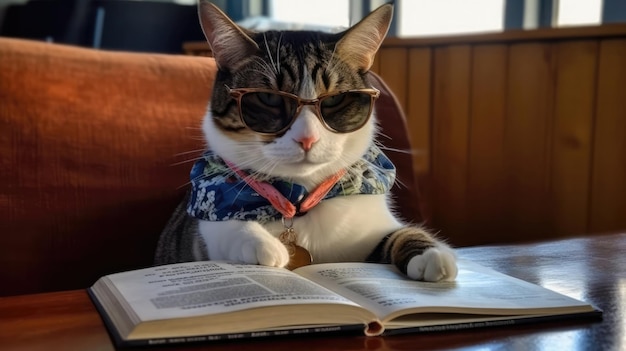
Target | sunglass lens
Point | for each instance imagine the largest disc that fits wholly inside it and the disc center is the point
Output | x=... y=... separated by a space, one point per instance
x=265 y=112
x=346 y=112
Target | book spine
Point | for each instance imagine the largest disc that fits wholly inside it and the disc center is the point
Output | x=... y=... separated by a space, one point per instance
x=596 y=314
x=121 y=342
x=344 y=329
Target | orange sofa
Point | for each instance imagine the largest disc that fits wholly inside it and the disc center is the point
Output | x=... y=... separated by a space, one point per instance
x=95 y=151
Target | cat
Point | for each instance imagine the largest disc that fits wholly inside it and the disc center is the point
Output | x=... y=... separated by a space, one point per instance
x=291 y=110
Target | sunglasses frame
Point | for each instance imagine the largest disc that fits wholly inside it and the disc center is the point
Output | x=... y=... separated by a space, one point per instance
x=238 y=93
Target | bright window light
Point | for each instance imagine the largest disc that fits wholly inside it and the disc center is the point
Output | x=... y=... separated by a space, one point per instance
x=577 y=12
x=441 y=17
x=332 y=13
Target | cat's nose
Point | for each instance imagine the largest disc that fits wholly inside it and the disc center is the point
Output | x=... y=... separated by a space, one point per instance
x=306 y=142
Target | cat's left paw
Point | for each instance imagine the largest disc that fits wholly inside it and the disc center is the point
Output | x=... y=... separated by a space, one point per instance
x=435 y=264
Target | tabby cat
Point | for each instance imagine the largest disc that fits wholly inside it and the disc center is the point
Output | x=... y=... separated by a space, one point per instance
x=292 y=167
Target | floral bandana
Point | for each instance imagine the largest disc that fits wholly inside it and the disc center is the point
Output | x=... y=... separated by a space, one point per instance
x=219 y=194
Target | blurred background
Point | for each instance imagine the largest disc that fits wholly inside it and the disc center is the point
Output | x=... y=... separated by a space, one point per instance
x=164 y=25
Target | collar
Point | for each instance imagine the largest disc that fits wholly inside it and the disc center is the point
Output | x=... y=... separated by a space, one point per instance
x=220 y=194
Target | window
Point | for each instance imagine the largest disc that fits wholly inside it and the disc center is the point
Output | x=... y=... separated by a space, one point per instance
x=579 y=12
x=327 y=13
x=433 y=17
x=442 y=17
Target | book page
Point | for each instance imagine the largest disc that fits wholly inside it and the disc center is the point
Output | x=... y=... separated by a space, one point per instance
x=477 y=290
x=196 y=288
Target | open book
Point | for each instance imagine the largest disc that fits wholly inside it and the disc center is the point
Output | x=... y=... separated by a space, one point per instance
x=202 y=301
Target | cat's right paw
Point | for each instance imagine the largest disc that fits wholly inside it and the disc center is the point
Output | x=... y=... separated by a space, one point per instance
x=242 y=241
x=266 y=251
x=435 y=264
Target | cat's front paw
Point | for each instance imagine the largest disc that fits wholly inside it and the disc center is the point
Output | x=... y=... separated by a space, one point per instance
x=242 y=241
x=435 y=264
x=266 y=251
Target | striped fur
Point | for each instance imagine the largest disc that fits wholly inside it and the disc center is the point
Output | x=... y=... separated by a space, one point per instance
x=403 y=245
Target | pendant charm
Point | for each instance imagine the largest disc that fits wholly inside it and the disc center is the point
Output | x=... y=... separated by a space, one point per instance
x=298 y=255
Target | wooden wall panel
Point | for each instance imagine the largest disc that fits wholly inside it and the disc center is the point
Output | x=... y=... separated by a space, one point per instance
x=419 y=106
x=452 y=67
x=527 y=139
x=419 y=117
x=573 y=124
x=516 y=136
x=486 y=175
x=390 y=59
x=608 y=199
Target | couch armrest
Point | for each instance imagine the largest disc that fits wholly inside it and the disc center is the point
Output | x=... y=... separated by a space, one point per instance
x=89 y=145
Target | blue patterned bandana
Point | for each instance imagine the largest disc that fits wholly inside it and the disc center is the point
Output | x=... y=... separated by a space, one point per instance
x=219 y=194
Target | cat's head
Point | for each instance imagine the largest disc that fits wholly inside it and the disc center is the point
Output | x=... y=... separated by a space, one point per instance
x=304 y=64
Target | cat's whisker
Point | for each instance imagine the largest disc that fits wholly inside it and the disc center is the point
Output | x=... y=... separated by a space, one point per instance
x=264 y=69
x=232 y=173
x=329 y=67
x=264 y=172
x=400 y=183
x=400 y=151
x=380 y=172
x=207 y=176
x=246 y=161
x=280 y=39
x=186 y=161
x=259 y=175
x=240 y=190
x=198 y=156
x=351 y=171
x=267 y=47
x=383 y=147
x=380 y=133
x=189 y=152
x=186 y=184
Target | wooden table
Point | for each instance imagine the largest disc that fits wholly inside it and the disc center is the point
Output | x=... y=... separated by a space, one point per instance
x=592 y=269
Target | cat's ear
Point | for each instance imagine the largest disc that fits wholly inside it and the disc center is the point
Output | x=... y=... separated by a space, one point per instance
x=229 y=42
x=359 y=44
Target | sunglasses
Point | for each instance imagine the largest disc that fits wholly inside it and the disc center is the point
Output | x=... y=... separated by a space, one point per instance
x=272 y=112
